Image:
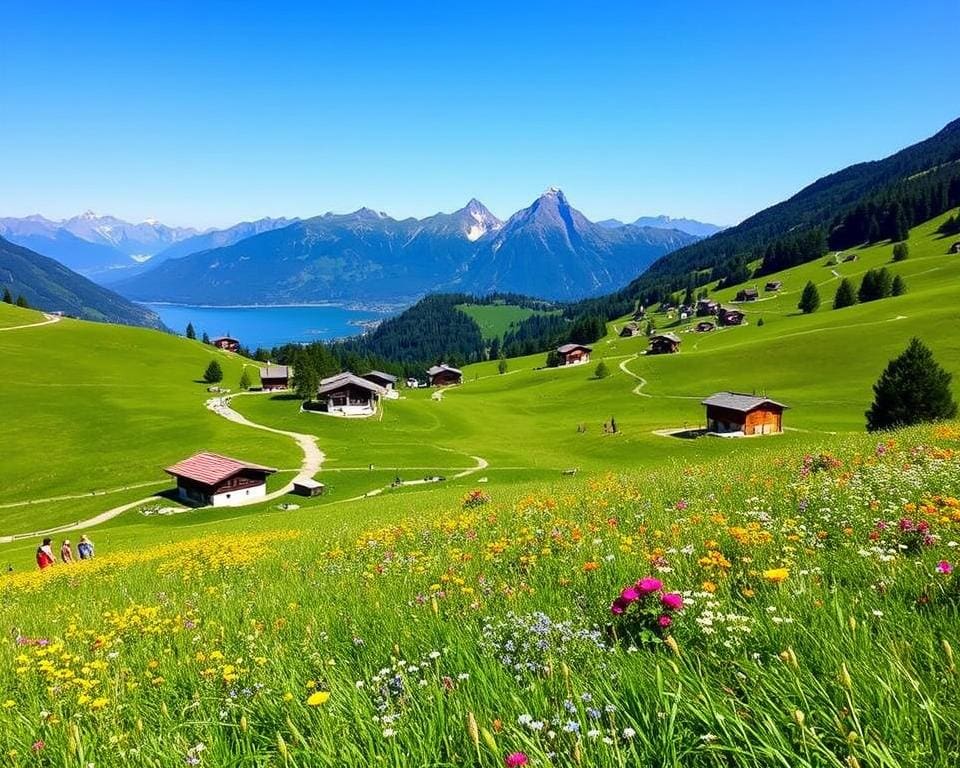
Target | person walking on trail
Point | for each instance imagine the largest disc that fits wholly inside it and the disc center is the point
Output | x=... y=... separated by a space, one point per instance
x=45 y=556
x=85 y=548
x=66 y=552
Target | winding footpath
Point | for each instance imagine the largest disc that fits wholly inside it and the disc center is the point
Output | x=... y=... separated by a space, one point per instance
x=51 y=319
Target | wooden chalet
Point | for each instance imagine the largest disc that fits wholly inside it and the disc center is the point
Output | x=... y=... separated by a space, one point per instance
x=275 y=377
x=705 y=326
x=574 y=354
x=381 y=379
x=730 y=316
x=209 y=479
x=348 y=395
x=228 y=343
x=747 y=294
x=736 y=414
x=773 y=285
x=706 y=307
x=444 y=375
x=629 y=330
x=664 y=344
x=308 y=487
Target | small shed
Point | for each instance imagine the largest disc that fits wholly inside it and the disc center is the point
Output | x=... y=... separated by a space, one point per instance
x=574 y=354
x=731 y=317
x=664 y=344
x=773 y=285
x=348 y=395
x=228 y=343
x=629 y=330
x=444 y=375
x=275 y=377
x=308 y=487
x=748 y=294
x=705 y=326
x=381 y=379
x=209 y=479
x=738 y=414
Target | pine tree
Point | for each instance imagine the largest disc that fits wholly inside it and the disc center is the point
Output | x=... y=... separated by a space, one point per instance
x=206 y=338
x=214 y=373
x=844 y=296
x=913 y=389
x=900 y=251
x=809 y=299
x=244 y=379
x=868 y=287
x=191 y=334
x=601 y=371
x=898 y=287
x=502 y=366
x=22 y=302
x=553 y=359
x=306 y=378
x=884 y=283
x=7 y=296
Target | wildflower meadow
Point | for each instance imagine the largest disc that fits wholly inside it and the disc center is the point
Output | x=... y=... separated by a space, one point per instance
x=796 y=612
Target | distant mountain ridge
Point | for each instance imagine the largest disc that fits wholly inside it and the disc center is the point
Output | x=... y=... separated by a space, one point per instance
x=48 y=285
x=548 y=249
x=690 y=226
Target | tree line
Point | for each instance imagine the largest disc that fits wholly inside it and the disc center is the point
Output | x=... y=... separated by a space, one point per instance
x=20 y=301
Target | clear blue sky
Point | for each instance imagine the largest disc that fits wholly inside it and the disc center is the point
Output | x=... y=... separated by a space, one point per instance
x=206 y=113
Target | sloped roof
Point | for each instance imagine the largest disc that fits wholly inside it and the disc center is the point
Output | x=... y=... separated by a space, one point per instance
x=380 y=375
x=443 y=367
x=275 y=372
x=342 y=379
x=212 y=468
x=215 y=339
x=736 y=401
x=565 y=348
x=671 y=336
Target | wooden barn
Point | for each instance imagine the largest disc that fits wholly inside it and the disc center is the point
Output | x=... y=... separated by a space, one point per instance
x=748 y=294
x=574 y=354
x=735 y=414
x=381 y=379
x=348 y=395
x=772 y=286
x=664 y=344
x=228 y=343
x=275 y=377
x=731 y=317
x=208 y=479
x=704 y=326
x=706 y=307
x=630 y=330
x=444 y=375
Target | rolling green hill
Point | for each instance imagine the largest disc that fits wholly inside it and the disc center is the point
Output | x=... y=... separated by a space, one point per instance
x=495 y=320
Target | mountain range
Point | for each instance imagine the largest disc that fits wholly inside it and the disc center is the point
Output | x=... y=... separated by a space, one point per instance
x=690 y=226
x=548 y=249
x=49 y=285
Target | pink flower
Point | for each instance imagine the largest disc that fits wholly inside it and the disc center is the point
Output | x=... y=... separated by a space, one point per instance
x=944 y=567
x=681 y=505
x=648 y=585
x=672 y=601
x=619 y=606
x=664 y=621
x=630 y=594
x=515 y=759
x=38 y=745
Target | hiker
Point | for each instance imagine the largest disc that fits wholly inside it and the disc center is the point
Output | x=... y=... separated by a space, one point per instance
x=85 y=548
x=45 y=556
x=66 y=552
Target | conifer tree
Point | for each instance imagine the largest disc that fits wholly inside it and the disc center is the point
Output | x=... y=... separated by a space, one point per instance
x=22 y=302
x=601 y=371
x=809 y=299
x=845 y=296
x=913 y=389
x=502 y=366
x=244 y=379
x=206 y=338
x=900 y=251
x=191 y=334
x=7 y=296
x=898 y=287
x=214 y=373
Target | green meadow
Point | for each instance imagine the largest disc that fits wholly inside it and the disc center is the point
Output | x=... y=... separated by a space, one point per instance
x=496 y=319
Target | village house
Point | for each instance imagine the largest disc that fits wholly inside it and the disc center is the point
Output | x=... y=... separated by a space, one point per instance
x=773 y=285
x=348 y=395
x=412 y=383
x=275 y=377
x=706 y=307
x=664 y=344
x=705 y=326
x=382 y=379
x=629 y=330
x=574 y=354
x=208 y=479
x=735 y=414
x=444 y=375
x=747 y=294
x=731 y=317
x=640 y=313
x=228 y=343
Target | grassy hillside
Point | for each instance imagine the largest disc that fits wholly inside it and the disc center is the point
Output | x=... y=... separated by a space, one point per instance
x=12 y=316
x=496 y=319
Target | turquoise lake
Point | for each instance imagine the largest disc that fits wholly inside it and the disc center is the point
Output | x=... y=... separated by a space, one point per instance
x=267 y=326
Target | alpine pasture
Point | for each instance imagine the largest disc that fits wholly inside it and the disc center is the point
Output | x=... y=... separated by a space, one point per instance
x=784 y=600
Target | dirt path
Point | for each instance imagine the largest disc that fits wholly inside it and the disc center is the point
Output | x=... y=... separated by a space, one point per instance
x=51 y=319
x=638 y=390
x=89 y=523
x=481 y=464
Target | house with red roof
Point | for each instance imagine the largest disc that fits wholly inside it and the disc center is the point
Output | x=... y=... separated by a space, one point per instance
x=209 y=479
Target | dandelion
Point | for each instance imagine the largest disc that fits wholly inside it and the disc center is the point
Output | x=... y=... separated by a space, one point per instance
x=318 y=698
x=776 y=575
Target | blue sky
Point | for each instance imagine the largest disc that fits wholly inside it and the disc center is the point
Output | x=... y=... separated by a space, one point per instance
x=209 y=113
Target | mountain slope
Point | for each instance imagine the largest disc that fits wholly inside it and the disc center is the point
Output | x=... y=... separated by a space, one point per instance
x=550 y=249
x=690 y=226
x=46 y=284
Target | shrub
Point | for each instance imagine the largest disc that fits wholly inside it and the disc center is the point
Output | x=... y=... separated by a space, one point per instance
x=601 y=371
x=214 y=373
